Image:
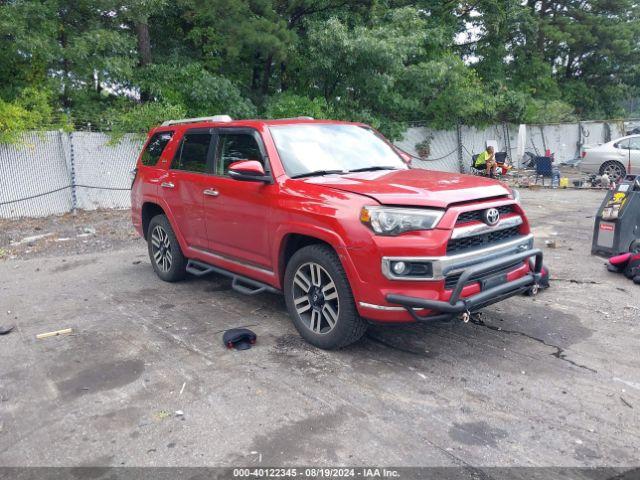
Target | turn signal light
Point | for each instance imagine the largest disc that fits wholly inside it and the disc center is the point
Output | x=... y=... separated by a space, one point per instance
x=365 y=216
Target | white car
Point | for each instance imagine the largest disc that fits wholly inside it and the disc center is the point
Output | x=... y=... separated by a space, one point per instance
x=613 y=158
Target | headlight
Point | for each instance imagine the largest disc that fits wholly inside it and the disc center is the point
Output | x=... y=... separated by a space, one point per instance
x=394 y=221
x=515 y=194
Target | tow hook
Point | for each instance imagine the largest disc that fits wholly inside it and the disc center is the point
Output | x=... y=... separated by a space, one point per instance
x=535 y=289
x=466 y=316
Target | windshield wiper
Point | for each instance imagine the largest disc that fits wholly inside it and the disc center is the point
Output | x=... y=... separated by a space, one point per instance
x=318 y=173
x=371 y=169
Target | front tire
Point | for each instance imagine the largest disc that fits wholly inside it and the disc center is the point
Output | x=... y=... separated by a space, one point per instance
x=164 y=250
x=614 y=170
x=319 y=299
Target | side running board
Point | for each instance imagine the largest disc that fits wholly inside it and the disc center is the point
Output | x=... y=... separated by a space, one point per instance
x=239 y=283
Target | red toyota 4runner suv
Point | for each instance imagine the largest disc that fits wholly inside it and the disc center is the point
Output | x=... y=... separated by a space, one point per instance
x=329 y=214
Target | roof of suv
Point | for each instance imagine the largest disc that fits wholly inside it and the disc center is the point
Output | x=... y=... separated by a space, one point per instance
x=255 y=123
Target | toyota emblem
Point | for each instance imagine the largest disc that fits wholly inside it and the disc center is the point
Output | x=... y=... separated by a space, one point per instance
x=491 y=216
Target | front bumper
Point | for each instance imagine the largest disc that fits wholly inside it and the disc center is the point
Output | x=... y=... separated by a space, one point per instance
x=443 y=310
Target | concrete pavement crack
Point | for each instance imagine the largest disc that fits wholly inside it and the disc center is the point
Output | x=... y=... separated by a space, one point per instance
x=577 y=282
x=559 y=353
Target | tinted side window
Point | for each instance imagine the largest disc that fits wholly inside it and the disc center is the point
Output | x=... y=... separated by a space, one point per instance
x=233 y=147
x=154 y=148
x=192 y=155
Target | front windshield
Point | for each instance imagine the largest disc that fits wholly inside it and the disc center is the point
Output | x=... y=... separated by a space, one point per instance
x=308 y=148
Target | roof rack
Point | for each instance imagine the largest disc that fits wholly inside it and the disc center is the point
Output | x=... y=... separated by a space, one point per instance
x=214 y=118
x=301 y=117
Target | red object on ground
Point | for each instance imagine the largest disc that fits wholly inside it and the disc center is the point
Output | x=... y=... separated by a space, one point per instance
x=620 y=260
x=626 y=263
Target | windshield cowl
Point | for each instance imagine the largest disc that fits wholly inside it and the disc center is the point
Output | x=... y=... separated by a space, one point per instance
x=338 y=172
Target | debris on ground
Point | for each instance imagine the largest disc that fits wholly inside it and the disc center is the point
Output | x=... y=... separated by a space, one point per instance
x=627 y=264
x=55 y=333
x=99 y=229
x=161 y=415
x=239 y=338
x=6 y=330
x=31 y=239
x=625 y=402
x=550 y=243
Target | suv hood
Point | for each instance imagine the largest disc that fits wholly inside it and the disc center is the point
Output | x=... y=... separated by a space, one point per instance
x=415 y=187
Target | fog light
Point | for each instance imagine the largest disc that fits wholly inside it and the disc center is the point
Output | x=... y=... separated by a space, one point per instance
x=399 y=268
x=407 y=270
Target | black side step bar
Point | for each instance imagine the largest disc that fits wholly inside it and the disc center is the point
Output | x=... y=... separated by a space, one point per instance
x=239 y=283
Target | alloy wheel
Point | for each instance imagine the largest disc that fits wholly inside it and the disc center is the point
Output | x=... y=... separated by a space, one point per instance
x=614 y=171
x=315 y=298
x=161 y=248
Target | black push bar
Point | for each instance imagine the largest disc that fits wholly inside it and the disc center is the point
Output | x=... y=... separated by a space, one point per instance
x=456 y=305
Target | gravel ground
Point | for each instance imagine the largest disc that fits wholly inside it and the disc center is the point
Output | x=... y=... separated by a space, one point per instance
x=144 y=380
x=69 y=234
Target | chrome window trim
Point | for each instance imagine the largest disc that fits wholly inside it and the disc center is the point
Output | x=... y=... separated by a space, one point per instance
x=480 y=228
x=444 y=265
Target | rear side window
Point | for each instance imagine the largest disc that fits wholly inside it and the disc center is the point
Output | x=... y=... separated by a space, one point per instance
x=193 y=152
x=155 y=147
x=233 y=147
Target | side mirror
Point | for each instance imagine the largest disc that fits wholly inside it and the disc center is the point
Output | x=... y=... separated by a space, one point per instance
x=248 y=171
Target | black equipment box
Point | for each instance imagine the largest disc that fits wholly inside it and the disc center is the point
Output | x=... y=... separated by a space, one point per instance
x=617 y=226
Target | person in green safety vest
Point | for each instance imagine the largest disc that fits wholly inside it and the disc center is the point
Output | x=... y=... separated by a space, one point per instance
x=487 y=159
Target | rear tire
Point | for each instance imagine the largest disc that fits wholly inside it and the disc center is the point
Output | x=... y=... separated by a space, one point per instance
x=164 y=250
x=635 y=246
x=319 y=299
x=614 y=170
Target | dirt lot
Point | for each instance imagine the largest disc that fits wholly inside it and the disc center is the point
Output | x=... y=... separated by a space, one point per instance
x=550 y=381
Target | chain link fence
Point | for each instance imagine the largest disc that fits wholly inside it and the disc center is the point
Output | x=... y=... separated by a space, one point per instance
x=452 y=150
x=55 y=172
x=103 y=169
x=49 y=173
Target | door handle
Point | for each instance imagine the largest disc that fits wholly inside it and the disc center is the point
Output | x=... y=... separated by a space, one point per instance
x=212 y=192
x=167 y=185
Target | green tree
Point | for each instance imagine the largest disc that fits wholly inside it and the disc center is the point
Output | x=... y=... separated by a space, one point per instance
x=124 y=63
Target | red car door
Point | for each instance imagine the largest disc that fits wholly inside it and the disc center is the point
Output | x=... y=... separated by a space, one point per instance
x=238 y=216
x=183 y=184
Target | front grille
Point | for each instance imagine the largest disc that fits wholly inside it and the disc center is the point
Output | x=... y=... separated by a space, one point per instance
x=483 y=240
x=476 y=215
x=451 y=280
